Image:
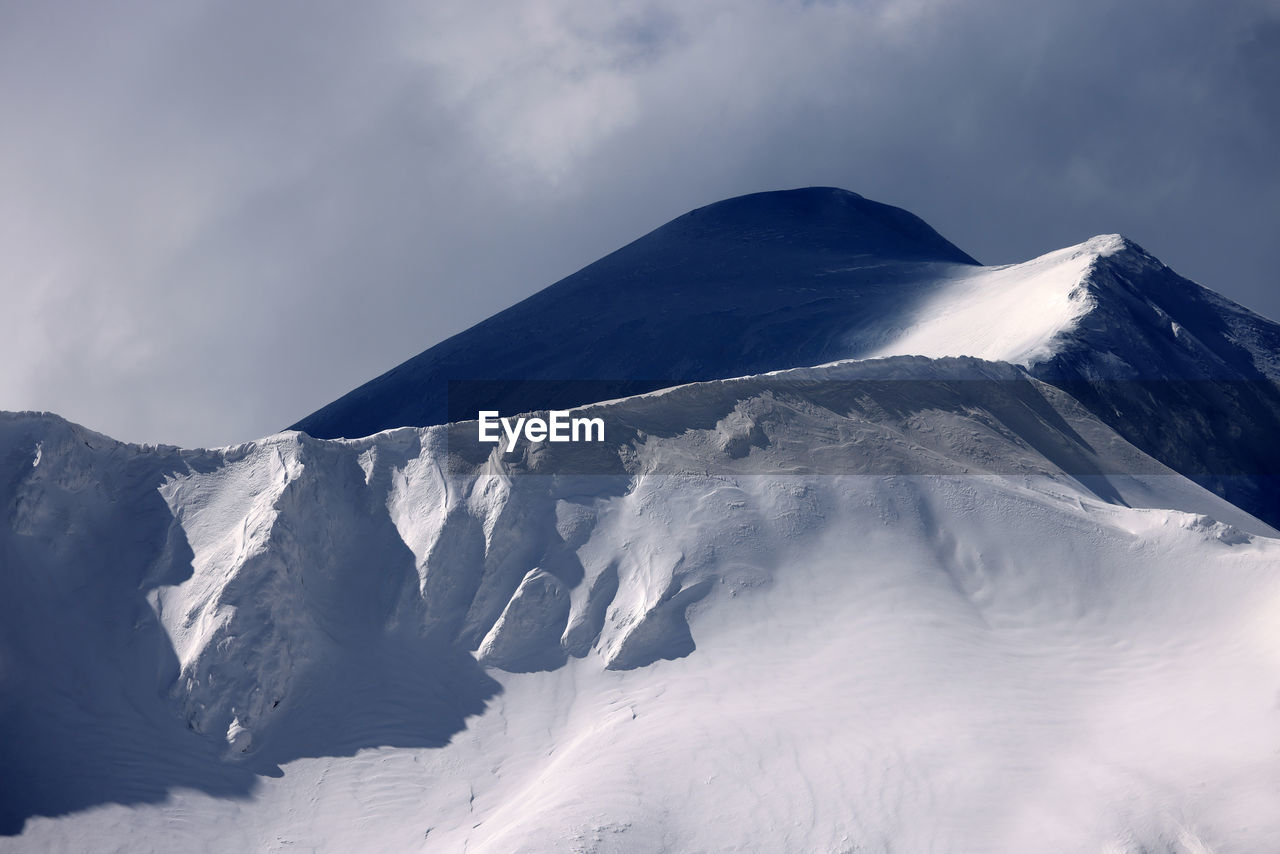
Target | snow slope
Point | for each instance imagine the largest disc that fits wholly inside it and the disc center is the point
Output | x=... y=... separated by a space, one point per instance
x=909 y=604
x=1184 y=374
x=931 y=557
x=1017 y=314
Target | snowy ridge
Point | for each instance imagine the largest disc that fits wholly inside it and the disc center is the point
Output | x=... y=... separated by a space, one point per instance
x=282 y=572
x=1017 y=313
x=1141 y=347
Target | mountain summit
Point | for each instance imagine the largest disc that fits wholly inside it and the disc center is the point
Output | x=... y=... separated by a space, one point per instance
x=755 y=283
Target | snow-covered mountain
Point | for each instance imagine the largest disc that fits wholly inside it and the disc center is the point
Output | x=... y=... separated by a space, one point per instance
x=943 y=588
x=778 y=280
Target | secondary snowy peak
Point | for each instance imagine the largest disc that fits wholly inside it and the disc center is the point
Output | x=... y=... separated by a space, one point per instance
x=1103 y=310
x=1183 y=373
x=1147 y=322
x=1016 y=313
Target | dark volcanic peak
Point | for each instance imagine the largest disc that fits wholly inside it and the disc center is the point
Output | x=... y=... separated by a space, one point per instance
x=816 y=219
x=752 y=284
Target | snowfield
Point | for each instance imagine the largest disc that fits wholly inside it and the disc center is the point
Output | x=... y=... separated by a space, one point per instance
x=946 y=558
x=710 y=646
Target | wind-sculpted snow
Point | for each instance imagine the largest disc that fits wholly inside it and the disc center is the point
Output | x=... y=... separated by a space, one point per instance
x=187 y=621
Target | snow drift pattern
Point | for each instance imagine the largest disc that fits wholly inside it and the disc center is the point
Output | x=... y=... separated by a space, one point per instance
x=281 y=566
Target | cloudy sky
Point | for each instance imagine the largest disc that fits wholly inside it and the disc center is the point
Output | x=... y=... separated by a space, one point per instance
x=217 y=216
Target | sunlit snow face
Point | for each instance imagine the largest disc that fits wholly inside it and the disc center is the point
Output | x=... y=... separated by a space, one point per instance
x=1010 y=314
